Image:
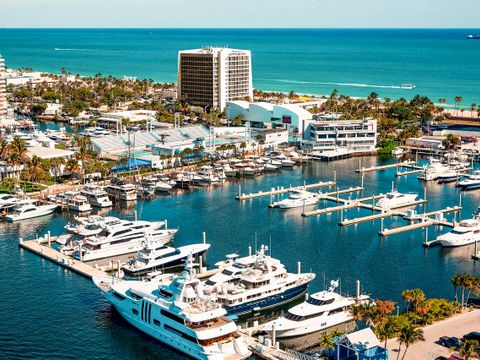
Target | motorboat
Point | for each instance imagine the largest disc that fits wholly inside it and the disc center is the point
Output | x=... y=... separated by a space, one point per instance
x=271 y=167
x=30 y=210
x=265 y=285
x=121 y=191
x=229 y=171
x=407 y=86
x=87 y=226
x=471 y=182
x=231 y=269
x=178 y=314
x=395 y=199
x=466 y=232
x=397 y=151
x=79 y=203
x=207 y=173
x=152 y=258
x=124 y=238
x=97 y=196
x=432 y=170
x=448 y=176
x=322 y=311
x=7 y=200
x=473 y=36
x=297 y=198
x=287 y=163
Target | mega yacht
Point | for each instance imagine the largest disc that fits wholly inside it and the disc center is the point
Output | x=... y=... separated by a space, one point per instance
x=121 y=191
x=320 y=312
x=124 y=238
x=297 y=198
x=265 y=285
x=464 y=233
x=96 y=196
x=178 y=314
x=231 y=269
x=395 y=199
x=29 y=210
x=152 y=258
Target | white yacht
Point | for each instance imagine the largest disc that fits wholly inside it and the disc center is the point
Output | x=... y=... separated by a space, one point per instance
x=432 y=170
x=178 y=314
x=7 y=200
x=231 y=269
x=471 y=182
x=96 y=196
x=152 y=258
x=271 y=167
x=464 y=233
x=319 y=312
x=287 y=163
x=297 y=198
x=87 y=226
x=265 y=285
x=124 y=238
x=29 y=210
x=206 y=172
x=395 y=199
x=122 y=191
x=79 y=203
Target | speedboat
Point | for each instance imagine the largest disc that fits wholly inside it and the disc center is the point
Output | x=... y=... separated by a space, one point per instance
x=263 y=286
x=471 y=182
x=96 y=196
x=178 y=314
x=288 y=163
x=152 y=258
x=448 y=176
x=320 y=312
x=407 y=86
x=398 y=151
x=29 y=211
x=297 y=198
x=473 y=36
x=464 y=233
x=271 y=167
x=395 y=199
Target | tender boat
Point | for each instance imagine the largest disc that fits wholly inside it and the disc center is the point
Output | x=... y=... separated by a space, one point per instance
x=297 y=198
x=96 y=196
x=152 y=258
x=398 y=151
x=395 y=199
x=466 y=232
x=320 y=312
x=29 y=210
x=265 y=285
x=179 y=315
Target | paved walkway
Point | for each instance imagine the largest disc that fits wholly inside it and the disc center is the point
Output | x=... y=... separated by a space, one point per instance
x=428 y=349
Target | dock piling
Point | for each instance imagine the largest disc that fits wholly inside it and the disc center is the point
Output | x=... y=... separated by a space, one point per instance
x=48 y=238
x=135 y=215
x=249 y=251
x=204 y=237
x=166 y=224
x=334 y=176
x=80 y=252
x=299 y=267
x=118 y=268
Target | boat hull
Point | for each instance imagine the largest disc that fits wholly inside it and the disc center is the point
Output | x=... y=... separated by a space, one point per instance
x=31 y=215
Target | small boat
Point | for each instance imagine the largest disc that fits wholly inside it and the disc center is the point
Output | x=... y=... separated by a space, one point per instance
x=466 y=232
x=407 y=86
x=447 y=176
x=271 y=167
x=398 y=151
x=395 y=199
x=29 y=211
x=473 y=36
x=472 y=182
x=287 y=163
x=297 y=198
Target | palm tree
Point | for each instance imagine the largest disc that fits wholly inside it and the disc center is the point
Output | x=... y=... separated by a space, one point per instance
x=464 y=282
x=458 y=100
x=326 y=342
x=472 y=109
x=385 y=331
x=471 y=283
x=409 y=335
x=35 y=169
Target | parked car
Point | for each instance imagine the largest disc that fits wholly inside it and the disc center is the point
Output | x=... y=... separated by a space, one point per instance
x=449 y=341
x=474 y=335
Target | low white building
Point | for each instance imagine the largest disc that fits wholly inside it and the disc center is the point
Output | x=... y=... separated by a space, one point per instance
x=426 y=142
x=293 y=118
x=351 y=135
x=273 y=137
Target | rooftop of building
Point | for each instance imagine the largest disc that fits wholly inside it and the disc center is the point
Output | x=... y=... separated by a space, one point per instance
x=212 y=50
x=47 y=153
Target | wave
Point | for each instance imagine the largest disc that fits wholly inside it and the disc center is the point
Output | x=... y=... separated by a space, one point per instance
x=67 y=49
x=401 y=87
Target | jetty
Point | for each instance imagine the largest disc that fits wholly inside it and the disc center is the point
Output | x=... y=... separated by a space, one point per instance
x=281 y=190
x=405 y=164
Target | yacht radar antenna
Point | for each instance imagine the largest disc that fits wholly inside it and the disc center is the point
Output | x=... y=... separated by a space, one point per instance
x=333 y=285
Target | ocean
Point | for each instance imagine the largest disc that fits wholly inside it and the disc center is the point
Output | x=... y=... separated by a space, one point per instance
x=441 y=63
x=50 y=312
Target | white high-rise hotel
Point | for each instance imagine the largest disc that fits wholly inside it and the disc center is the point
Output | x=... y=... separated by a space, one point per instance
x=209 y=77
x=3 y=90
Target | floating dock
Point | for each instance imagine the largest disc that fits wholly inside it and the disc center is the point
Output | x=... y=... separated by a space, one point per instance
x=406 y=164
x=282 y=190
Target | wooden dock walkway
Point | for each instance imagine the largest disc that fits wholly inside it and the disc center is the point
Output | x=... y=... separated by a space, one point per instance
x=363 y=219
x=282 y=190
x=406 y=164
x=414 y=226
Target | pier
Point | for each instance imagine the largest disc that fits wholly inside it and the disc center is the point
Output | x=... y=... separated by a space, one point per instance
x=282 y=190
x=406 y=164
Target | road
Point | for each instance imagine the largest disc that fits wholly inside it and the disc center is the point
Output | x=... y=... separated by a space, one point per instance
x=456 y=326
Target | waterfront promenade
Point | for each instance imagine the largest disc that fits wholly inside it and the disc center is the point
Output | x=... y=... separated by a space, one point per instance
x=427 y=350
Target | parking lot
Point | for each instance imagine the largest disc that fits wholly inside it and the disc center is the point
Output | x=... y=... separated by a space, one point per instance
x=428 y=349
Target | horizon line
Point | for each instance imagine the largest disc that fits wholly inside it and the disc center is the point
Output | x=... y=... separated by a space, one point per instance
x=238 y=28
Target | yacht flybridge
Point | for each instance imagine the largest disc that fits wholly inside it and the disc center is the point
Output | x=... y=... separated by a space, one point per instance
x=319 y=312
x=96 y=196
x=266 y=284
x=466 y=232
x=178 y=314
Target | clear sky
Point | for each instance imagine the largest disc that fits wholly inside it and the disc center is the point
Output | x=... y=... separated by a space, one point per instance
x=241 y=13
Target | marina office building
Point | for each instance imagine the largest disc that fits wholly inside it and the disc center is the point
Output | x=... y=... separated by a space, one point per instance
x=291 y=117
x=350 y=135
x=211 y=76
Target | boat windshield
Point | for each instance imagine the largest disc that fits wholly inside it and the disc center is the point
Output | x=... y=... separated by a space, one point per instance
x=319 y=302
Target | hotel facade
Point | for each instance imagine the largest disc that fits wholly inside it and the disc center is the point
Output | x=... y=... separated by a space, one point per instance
x=3 y=90
x=209 y=77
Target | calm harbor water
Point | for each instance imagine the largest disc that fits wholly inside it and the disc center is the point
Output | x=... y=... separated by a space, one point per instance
x=442 y=63
x=49 y=312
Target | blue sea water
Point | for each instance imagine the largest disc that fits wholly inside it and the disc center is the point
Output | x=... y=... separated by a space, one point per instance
x=441 y=63
x=50 y=312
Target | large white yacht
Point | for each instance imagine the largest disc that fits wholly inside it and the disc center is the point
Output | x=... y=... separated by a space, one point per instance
x=432 y=170
x=297 y=198
x=320 y=312
x=464 y=233
x=79 y=203
x=28 y=210
x=265 y=285
x=395 y=199
x=122 y=191
x=153 y=258
x=96 y=196
x=231 y=269
x=123 y=238
x=178 y=314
